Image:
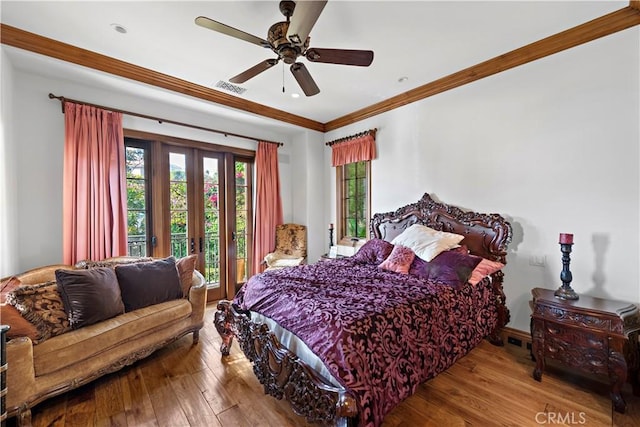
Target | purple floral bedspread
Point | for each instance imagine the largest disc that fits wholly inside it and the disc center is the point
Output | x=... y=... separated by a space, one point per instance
x=379 y=333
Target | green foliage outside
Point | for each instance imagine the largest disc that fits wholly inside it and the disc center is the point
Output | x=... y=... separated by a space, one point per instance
x=355 y=199
x=178 y=208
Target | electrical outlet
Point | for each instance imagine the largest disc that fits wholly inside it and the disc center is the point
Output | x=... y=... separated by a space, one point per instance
x=537 y=260
x=514 y=341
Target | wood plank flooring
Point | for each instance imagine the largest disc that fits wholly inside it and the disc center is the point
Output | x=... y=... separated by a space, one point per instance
x=185 y=385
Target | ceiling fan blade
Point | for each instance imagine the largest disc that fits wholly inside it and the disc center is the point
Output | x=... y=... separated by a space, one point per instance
x=304 y=79
x=230 y=31
x=304 y=18
x=254 y=71
x=362 y=58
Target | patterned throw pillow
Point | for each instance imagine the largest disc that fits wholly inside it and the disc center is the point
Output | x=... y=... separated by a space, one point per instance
x=42 y=306
x=399 y=261
x=18 y=325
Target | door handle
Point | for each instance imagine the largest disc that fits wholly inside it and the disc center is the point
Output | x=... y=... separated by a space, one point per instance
x=193 y=246
x=200 y=242
x=233 y=236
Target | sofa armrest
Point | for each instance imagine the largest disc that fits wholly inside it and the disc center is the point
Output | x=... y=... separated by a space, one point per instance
x=198 y=296
x=21 y=377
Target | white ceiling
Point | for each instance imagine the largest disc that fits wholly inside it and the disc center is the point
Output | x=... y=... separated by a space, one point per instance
x=421 y=40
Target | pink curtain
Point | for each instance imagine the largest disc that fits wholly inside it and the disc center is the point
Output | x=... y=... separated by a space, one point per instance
x=354 y=150
x=268 y=211
x=94 y=194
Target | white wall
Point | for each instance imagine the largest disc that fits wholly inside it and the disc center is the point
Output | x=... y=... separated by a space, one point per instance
x=35 y=147
x=552 y=145
x=9 y=242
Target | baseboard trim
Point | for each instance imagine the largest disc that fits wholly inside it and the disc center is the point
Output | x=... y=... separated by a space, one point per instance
x=516 y=337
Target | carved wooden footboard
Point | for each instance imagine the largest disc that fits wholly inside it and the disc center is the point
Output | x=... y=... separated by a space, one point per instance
x=281 y=372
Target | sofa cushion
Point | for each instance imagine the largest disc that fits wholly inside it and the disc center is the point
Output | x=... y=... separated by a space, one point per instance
x=89 y=296
x=102 y=337
x=147 y=283
x=186 y=266
x=42 y=306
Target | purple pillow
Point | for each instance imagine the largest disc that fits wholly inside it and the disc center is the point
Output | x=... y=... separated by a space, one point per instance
x=373 y=251
x=400 y=260
x=147 y=283
x=451 y=268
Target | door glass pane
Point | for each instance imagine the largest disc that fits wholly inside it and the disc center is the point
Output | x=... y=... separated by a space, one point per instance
x=211 y=247
x=178 y=204
x=137 y=213
x=242 y=265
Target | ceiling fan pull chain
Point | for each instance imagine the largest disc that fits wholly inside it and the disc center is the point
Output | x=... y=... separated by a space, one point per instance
x=283 y=77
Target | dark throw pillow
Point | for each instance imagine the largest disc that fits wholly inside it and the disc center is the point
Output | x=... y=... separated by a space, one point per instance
x=148 y=283
x=451 y=268
x=374 y=251
x=89 y=296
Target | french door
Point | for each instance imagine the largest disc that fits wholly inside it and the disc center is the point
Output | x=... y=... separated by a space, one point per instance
x=197 y=201
x=209 y=215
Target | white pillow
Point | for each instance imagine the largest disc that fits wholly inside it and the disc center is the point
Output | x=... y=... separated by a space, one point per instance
x=426 y=242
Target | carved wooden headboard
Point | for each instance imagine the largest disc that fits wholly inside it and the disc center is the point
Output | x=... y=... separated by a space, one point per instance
x=486 y=235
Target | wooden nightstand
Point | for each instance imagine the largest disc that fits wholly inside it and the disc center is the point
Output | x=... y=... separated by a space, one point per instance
x=591 y=334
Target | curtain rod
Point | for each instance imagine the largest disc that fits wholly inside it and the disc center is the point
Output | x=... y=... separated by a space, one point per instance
x=357 y=135
x=62 y=100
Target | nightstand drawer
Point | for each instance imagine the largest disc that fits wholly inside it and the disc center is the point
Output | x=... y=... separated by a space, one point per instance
x=587 y=352
x=577 y=338
x=572 y=318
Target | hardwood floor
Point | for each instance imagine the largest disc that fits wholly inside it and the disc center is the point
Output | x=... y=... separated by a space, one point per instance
x=185 y=385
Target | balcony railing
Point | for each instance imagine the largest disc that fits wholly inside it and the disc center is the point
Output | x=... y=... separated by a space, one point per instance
x=137 y=246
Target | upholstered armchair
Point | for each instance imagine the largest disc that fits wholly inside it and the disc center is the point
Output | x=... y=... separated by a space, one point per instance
x=291 y=247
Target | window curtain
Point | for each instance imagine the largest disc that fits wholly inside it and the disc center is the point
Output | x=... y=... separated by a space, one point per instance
x=353 y=150
x=94 y=194
x=268 y=211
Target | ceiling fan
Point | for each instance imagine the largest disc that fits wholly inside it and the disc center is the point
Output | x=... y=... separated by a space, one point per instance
x=290 y=40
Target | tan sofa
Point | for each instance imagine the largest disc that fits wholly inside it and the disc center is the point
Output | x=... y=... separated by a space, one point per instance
x=64 y=362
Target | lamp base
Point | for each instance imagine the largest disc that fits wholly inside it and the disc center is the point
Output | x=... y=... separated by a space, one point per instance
x=566 y=293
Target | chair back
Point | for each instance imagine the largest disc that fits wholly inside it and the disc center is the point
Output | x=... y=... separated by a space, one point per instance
x=291 y=239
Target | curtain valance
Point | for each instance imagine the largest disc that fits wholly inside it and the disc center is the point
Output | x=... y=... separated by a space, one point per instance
x=357 y=149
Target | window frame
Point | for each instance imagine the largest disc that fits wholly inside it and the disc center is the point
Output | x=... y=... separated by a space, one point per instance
x=341 y=227
x=148 y=178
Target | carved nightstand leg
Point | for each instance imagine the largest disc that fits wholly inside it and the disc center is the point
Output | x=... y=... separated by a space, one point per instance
x=537 y=348
x=633 y=362
x=617 y=375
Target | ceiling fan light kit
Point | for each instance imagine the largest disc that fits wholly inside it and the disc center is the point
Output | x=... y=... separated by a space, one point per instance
x=290 y=40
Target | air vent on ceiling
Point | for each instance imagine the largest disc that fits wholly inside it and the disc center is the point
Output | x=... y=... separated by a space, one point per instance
x=231 y=88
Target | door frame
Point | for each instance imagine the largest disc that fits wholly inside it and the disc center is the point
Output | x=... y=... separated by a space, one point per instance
x=160 y=145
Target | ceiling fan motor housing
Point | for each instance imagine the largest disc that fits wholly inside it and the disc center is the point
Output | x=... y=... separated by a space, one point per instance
x=277 y=38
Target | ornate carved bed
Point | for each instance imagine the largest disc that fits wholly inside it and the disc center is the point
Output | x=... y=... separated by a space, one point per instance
x=323 y=397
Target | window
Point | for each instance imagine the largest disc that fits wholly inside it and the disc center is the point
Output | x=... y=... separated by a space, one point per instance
x=136 y=156
x=354 y=195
